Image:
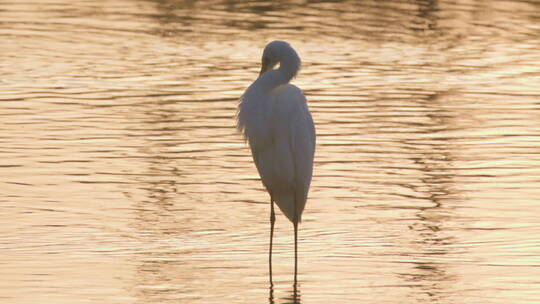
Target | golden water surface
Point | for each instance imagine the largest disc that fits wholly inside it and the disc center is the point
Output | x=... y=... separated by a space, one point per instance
x=123 y=179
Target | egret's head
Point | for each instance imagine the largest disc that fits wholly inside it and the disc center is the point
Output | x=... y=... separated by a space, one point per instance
x=278 y=52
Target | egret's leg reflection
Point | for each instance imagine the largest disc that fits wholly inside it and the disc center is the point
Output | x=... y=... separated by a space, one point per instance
x=293 y=298
x=271 y=294
x=295 y=295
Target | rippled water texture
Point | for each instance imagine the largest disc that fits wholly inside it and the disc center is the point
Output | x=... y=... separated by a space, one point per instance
x=124 y=181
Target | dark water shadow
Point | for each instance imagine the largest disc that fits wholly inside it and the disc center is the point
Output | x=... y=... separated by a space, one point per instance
x=292 y=298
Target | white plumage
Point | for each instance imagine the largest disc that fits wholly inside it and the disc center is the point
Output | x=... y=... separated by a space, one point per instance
x=274 y=118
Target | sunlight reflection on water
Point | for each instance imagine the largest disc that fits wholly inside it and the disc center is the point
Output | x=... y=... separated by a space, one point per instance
x=124 y=179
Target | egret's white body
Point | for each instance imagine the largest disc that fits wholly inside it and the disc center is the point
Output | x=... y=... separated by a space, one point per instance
x=274 y=118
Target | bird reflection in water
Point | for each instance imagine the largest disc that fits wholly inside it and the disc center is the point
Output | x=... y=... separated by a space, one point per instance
x=293 y=298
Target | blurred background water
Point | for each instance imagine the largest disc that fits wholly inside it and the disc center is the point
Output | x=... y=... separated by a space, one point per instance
x=123 y=179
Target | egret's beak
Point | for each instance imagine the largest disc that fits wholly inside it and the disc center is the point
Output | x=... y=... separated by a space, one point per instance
x=265 y=65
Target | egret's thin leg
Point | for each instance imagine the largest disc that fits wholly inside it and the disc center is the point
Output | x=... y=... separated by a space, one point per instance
x=295 y=250
x=295 y=223
x=272 y=221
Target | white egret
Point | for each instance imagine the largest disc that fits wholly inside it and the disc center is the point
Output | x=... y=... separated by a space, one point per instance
x=274 y=118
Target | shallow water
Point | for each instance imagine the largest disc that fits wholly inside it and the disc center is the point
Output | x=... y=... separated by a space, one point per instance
x=123 y=179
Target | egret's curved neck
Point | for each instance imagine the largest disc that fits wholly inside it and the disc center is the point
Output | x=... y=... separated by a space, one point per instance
x=289 y=65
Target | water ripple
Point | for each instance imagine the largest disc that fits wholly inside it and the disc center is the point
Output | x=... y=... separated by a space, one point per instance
x=123 y=178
